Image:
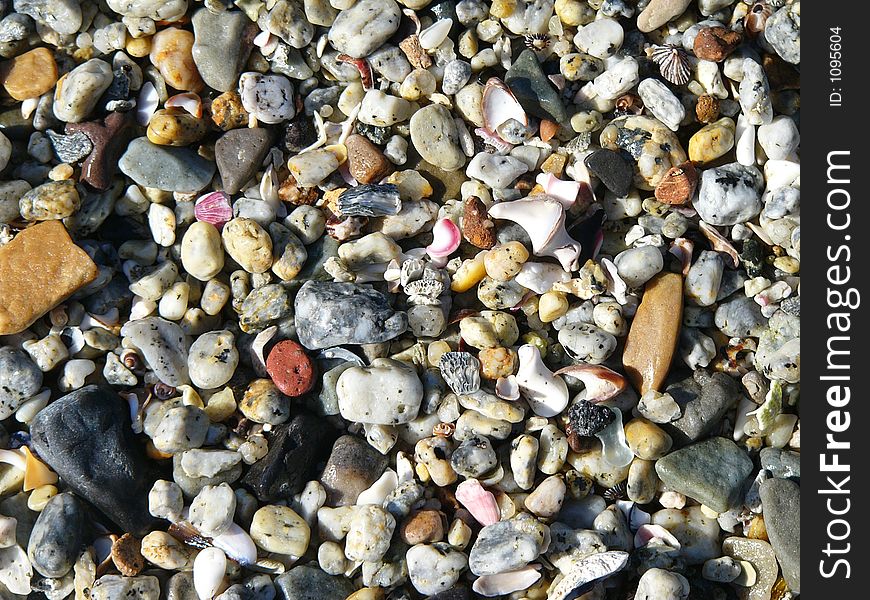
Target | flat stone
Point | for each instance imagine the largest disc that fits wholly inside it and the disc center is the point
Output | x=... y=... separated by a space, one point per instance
x=388 y=392
x=112 y=587
x=307 y=582
x=781 y=501
x=612 y=168
x=704 y=400
x=533 y=89
x=221 y=46
x=366 y=162
x=109 y=139
x=711 y=472
x=165 y=167
x=238 y=154
x=655 y=332
x=29 y=75
x=40 y=268
x=86 y=438
x=332 y=314
x=352 y=467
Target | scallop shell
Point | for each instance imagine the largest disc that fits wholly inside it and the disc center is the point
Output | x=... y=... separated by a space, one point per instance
x=213 y=208
x=478 y=501
x=500 y=104
x=673 y=63
x=209 y=569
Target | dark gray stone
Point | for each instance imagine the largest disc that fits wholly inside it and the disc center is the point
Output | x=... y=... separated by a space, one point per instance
x=222 y=46
x=20 y=378
x=295 y=451
x=70 y=148
x=258 y=587
x=613 y=169
x=704 y=399
x=180 y=587
x=533 y=89
x=781 y=502
x=352 y=467
x=712 y=472
x=239 y=153
x=332 y=314
x=310 y=583
x=784 y=464
x=86 y=438
x=57 y=536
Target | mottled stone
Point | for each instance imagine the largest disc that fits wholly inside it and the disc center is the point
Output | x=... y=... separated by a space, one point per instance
x=352 y=467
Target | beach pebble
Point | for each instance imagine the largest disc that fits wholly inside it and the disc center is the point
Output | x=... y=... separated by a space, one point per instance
x=617 y=79
x=20 y=378
x=212 y=359
x=507 y=545
x=202 y=254
x=704 y=278
x=435 y=136
x=108 y=587
x=290 y=368
x=263 y=403
x=659 y=584
x=368 y=537
x=729 y=194
x=181 y=428
x=280 y=530
x=755 y=94
x=587 y=342
x=63 y=16
x=782 y=32
x=387 y=393
x=238 y=154
x=165 y=167
x=380 y=109
x=497 y=172
x=269 y=98
x=56 y=536
x=353 y=466
x=287 y=20
x=779 y=138
x=248 y=244
x=364 y=26
x=740 y=317
x=163 y=345
x=659 y=12
x=662 y=102
x=638 y=265
x=78 y=92
x=434 y=568
x=310 y=168
x=307 y=582
x=172 y=54
x=712 y=141
x=212 y=510
x=601 y=38
x=723 y=569
x=650 y=143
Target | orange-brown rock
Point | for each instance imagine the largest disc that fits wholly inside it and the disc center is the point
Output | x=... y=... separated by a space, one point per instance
x=39 y=269
x=655 y=331
x=423 y=527
x=29 y=75
x=678 y=185
x=707 y=108
x=127 y=555
x=227 y=111
x=477 y=228
x=716 y=43
x=172 y=54
x=365 y=161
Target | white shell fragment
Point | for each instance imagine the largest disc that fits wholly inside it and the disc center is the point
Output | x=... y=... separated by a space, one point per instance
x=587 y=571
x=546 y=393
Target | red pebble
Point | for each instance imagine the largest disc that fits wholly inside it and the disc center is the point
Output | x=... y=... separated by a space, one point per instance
x=290 y=368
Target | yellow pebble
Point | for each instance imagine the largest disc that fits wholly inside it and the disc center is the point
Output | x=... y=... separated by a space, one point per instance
x=757 y=530
x=554 y=164
x=367 y=594
x=61 y=172
x=459 y=534
x=552 y=305
x=422 y=472
x=469 y=274
x=574 y=12
x=709 y=512
x=139 y=47
x=39 y=497
x=788 y=264
x=435 y=351
x=503 y=8
x=586 y=121
x=505 y=260
x=535 y=339
x=497 y=362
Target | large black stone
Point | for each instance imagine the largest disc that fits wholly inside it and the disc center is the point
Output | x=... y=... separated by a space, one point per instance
x=295 y=450
x=613 y=169
x=86 y=438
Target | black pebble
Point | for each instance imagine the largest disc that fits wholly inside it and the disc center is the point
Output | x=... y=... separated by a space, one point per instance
x=588 y=419
x=612 y=168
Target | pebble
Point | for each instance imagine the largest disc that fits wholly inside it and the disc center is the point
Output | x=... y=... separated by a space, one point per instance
x=434 y=568
x=221 y=46
x=704 y=278
x=546 y=500
x=712 y=472
x=366 y=162
x=662 y=103
x=78 y=91
x=174 y=127
x=279 y=530
x=647 y=440
x=617 y=79
x=782 y=32
x=659 y=584
x=20 y=378
x=386 y=393
x=163 y=345
x=704 y=400
x=659 y=12
x=264 y=403
x=740 y=317
x=201 y=252
x=601 y=38
x=587 y=342
x=507 y=545
x=290 y=368
x=729 y=194
x=212 y=510
x=307 y=582
x=164 y=167
x=532 y=88
x=779 y=138
x=181 y=428
x=380 y=109
x=238 y=154
x=29 y=75
x=310 y=168
x=353 y=466
x=712 y=141
x=638 y=265
x=362 y=28
x=56 y=536
x=109 y=587
x=650 y=143
x=248 y=244
x=715 y=43
x=781 y=502
x=213 y=359
x=496 y=172
x=422 y=527
x=723 y=569
x=368 y=537
x=760 y=556
x=268 y=98
x=436 y=138
x=754 y=93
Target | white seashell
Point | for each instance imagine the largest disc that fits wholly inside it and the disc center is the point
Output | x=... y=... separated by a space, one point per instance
x=414 y=19
x=540 y=277
x=682 y=249
x=546 y=393
x=507 y=388
x=500 y=105
x=16 y=459
x=147 y=103
x=614 y=448
x=508 y=582
x=616 y=286
x=466 y=142
x=586 y=571
x=543 y=218
x=719 y=243
x=15 y=570
x=258 y=361
x=600 y=382
x=269 y=187
x=237 y=544
x=434 y=35
x=209 y=569
x=563 y=191
x=190 y=102
x=380 y=489
x=648 y=533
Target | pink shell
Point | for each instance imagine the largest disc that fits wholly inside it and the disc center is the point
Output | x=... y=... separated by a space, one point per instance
x=446 y=238
x=479 y=502
x=213 y=208
x=647 y=533
x=682 y=249
x=563 y=191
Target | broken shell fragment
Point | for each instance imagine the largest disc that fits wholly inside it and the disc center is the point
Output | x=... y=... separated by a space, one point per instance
x=583 y=574
x=600 y=382
x=500 y=105
x=479 y=501
x=446 y=239
x=547 y=394
x=507 y=582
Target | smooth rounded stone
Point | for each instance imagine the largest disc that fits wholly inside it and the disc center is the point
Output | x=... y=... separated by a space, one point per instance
x=238 y=154
x=221 y=46
x=456 y=74
x=29 y=75
x=659 y=12
x=373 y=249
x=388 y=392
x=780 y=138
x=10 y=194
x=507 y=545
x=163 y=345
x=642 y=481
x=530 y=85
x=369 y=534
x=180 y=587
x=390 y=63
x=380 y=109
x=546 y=499
x=698 y=534
x=258 y=587
x=474 y=457
x=704 y=399
x=78 y=92
x=783 y=464
x=723 y=569
x=740 y=317
x=20 y=378
x=782 y=31
x=422 y=527
x=436 y=138
x=601 y=38
x=248 y=244
x=712 y=472
x=489 y=329
x=661 y=102
x=659 y=584
x=650 y=143
x=712 y=141
x=362 y=28
x=332 y=314
x=781 y=502
x=85 y=437
x=63 y=16
x=310 y=168
x=497 y=172
x=286 y=19
x=352 y=468
x=762 y=558
x=181 y=428
x=755 y=101
x=279 y=530
x=266 y=305
x=268 y=98
x=434 y=568
x=580 y=67
x=172 y=54
x=705 y=278
x=264 y=403
x=730 y=194
x=647 y=440
x=296 y=449
x=617 y=79
x=307 y=223
x=211 y=512
x=306 y=582
x=165 y=167
x=158 y=10
x=638 y=265
x=213 y=359
x=175 y=127
x=202 y=254
x=426 y=321
x=57 y=536
x=207 y=463
x=366 y=163
x=113 y=587
x=587 y=342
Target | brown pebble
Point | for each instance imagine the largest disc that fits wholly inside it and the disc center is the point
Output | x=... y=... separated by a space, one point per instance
x=716 y=43
x=172 y=54
x=477 y=228
x=423 y=527
x=29 y=75
x=707 y=108
x=290 y=368
x=40 y=268
x=548 y=130
x=109 y=138
x=654 y=333
x=127 y=556
x=780 y=74
x=227 y=111
x=417 y=56
x=678 y=185
x=757 y=530
x=366 y=162
x=289 y=191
